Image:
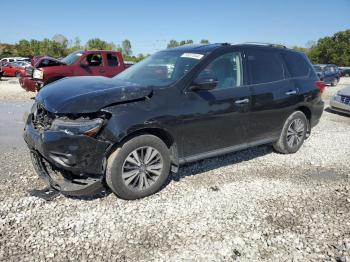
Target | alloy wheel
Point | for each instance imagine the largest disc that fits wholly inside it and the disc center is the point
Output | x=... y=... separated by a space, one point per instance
x=142 y=167
x=295 y=132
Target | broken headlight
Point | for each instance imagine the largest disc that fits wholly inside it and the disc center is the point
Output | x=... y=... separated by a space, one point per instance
x=80 y=126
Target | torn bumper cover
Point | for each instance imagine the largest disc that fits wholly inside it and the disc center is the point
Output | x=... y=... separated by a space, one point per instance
x=72 y=164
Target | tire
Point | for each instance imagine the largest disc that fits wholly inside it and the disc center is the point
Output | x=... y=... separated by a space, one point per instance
x=283 y=144
x=18 y=74
x=135 y=186
x=334 y=82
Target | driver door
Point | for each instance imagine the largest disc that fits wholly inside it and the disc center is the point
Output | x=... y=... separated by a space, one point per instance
x=92 y=65
x=217 y=120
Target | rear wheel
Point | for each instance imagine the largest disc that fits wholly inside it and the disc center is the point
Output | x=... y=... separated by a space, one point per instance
x=138 y=168
x=334 y=82
x=293 y=134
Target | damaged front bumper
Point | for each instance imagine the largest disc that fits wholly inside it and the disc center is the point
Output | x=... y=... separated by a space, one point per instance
x=72 y=164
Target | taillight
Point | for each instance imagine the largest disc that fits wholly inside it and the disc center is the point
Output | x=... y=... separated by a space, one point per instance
x=321 y=85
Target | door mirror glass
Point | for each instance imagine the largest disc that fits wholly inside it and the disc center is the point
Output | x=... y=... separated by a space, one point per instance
x=204 y=84
x=84 y=64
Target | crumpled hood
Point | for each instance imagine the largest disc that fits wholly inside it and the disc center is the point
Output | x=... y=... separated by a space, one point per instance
x=345 y=91
x=88 y=94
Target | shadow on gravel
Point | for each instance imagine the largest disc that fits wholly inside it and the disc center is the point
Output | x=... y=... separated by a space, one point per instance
x=329 y=110
x=221 y=161
x=199 y=167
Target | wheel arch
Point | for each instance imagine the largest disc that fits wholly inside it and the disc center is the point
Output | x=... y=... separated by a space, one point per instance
x=162 y=134
x=307 y=112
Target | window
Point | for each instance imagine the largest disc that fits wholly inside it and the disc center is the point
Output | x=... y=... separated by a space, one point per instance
x=227 y=69
x=72 y=58
x=94 y=60
x=264 y=66
x=297 y=65
x=161 y=69
x=112 y=60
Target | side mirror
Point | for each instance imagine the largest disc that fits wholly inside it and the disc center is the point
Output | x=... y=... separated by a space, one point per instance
x=204 y=84
x=84 y=65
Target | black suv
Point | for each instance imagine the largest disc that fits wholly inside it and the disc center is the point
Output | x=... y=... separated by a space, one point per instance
x=177 y=106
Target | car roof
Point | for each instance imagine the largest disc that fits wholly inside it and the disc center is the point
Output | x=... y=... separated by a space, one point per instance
x=208 y=48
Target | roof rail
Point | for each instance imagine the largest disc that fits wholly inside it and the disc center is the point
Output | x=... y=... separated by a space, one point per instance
x=266 y=44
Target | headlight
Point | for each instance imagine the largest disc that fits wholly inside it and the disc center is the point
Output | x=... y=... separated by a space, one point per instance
x=89 y=127
x=38 y=74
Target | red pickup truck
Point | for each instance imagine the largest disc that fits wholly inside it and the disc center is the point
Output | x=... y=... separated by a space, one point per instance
x=80 y=63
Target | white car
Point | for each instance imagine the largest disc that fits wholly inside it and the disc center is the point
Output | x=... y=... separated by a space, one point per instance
x=341 y=101
x=15 y=59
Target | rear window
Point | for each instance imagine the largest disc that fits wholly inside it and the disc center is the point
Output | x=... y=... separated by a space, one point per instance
x=264 y=66
x=297 y=64
x=112 y=60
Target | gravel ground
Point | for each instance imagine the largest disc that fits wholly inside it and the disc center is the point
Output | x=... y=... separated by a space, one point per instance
x=10 y=90
x=247 y=206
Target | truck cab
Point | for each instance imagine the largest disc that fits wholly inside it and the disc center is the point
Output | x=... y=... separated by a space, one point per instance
x=80 y=63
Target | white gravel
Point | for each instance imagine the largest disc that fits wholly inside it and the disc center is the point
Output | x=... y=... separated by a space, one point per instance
x=10 y=90
x=248 y=206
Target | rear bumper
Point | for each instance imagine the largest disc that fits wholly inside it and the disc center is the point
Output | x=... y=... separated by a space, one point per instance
x=316 y=112
x=72 y=164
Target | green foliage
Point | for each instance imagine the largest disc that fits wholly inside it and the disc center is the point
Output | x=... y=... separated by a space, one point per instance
x=204 y=41
x=126 y=47
x=174 y=43
x=330 y=50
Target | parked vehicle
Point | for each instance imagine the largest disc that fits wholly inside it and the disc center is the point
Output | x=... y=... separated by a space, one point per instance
x=176 y=106
x=81 y=63
x=344 y=71
x=12 y=69
x=328 y=73
x=341 y=101
x=15 y=59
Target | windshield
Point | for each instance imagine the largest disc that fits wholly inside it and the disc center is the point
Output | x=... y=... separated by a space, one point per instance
x=71 y=58
x=161 y=69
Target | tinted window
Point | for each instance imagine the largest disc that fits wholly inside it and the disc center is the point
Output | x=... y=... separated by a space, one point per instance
x=264 y=66
x=112 y=60
x=227 y=69
x=94 y=59
x=297 y=64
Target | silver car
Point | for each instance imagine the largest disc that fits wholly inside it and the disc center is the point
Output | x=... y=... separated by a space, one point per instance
x=341 y=101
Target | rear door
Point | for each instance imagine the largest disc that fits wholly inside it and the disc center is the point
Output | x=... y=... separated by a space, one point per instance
x=113 y=65
x=218 y=118
x=273 y=93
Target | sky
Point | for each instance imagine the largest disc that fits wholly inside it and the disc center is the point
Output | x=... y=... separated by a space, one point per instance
x=149 y=25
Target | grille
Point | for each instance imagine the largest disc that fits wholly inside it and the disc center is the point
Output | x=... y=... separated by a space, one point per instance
x=345 y=100
x=42 y=119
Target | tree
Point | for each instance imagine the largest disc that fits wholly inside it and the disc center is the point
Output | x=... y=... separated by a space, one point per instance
x=96 y=44
x=23 y=48
x=172 y=44
x=204 y=41
x=61 y=39
x=126 y=47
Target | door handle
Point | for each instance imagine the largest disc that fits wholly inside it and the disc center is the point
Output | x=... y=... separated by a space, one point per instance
x=243 y=101
x=289 y=93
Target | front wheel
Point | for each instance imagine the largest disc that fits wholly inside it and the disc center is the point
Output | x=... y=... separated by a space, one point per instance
x=139 y=168
x=293 y=134
x=334 y=82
